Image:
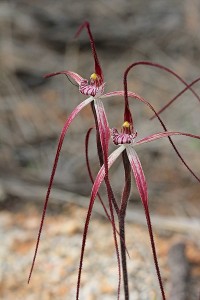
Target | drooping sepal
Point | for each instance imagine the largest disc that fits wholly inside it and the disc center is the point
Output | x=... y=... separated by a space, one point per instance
x=137 y=97
x=98 y=69
x=104 y=130
x=95 y=189
x=71 y=74
x=59 y=147
x=142 y=189
x=159 y=135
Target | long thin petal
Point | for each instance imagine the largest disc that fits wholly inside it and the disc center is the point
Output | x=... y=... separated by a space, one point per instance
x=111 y=216
x=176 y=97
x=90 y=172
x=98 y=69
x=71 y=74
x=142 y=189
x=92 y=178
x=95 y=189
x=160 y=135
x=60 y=143
x=101 y=160
x=137 y=97
x=131 y=95
x=112 y=94
x=103 y=134
x=168 y=70
x=104 y=130
x=138 y=174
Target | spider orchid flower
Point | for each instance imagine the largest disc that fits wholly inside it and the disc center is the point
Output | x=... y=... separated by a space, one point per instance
x=126 y=140
x=94 y=88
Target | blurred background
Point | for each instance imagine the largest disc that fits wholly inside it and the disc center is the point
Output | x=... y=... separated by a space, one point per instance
x=37 y=37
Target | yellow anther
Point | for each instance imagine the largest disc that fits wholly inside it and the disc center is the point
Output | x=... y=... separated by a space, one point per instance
x=126 y=124
x=94 y=76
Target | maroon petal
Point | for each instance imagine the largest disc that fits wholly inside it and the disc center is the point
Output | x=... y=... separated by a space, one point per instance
x=137 y=97
x=60 y=143
x=73 y=75
x=138 y=174
x=100 y=177
x=142 y=189
x=159 y=66
x=92 y=179
x=90 y=172
x=98 y=69
x=110 y=217
x=176 y=97
x=104 y=130
x=160 y=135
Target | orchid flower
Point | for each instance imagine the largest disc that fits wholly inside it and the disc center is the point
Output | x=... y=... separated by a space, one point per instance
x=126 y=140
x=94 y=89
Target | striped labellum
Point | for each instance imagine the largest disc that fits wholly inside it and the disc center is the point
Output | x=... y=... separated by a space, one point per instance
x=122 y=138
x=91 y=89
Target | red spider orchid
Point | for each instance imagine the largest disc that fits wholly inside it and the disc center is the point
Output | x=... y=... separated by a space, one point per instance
x=94 y=89
x=127 y=141
x=188 y=87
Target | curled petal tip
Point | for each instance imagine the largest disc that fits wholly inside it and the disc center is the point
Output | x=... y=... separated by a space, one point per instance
x=48 y=75
x=84 y=24
x=54 y=74
x=67 y=73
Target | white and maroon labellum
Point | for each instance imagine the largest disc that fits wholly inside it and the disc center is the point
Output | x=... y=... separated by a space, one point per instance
x=93 y=88
x=122 y=138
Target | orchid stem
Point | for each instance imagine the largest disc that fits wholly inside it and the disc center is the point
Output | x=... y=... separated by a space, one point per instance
x=122 y=215
x=123 y=256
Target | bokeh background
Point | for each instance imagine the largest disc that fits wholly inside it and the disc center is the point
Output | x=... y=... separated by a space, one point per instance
x=37 y=37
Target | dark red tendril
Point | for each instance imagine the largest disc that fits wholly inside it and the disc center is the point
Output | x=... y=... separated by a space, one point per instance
x=176 y=97
x=156 y=114
x=98 y=69
x=159 y=66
